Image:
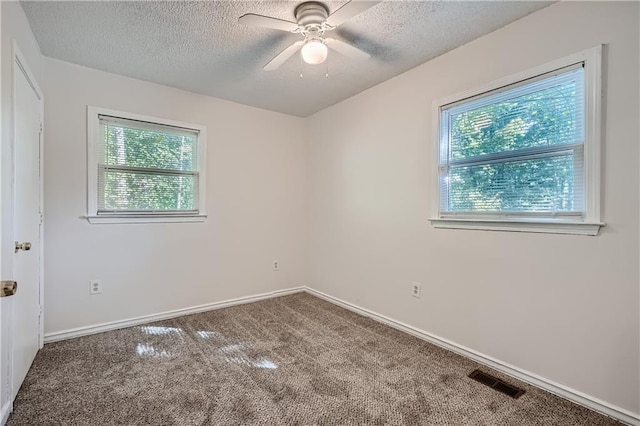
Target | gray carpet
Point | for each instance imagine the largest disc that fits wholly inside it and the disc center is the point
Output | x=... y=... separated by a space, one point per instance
x=294 y=360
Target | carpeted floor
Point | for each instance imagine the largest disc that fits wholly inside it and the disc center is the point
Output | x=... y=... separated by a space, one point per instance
x=294 y=360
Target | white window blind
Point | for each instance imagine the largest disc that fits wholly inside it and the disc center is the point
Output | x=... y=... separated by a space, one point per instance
x=145 y=168
x=516 y=151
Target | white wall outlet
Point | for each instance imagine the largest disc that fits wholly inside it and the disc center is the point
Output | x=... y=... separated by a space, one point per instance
x=95 y=287
x=416 y=289
x=276 y=265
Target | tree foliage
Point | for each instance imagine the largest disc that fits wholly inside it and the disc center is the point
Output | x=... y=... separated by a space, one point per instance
x=534 y=129
x=128 y=186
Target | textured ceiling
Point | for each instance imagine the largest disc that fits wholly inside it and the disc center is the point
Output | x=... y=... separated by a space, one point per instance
x=200 y=47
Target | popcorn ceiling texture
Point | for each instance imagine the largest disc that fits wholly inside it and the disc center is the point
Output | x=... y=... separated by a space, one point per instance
x=200 y=47
x=294 y=360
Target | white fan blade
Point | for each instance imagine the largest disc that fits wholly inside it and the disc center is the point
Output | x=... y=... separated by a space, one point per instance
x=349 y=10
x=253 y=20
x=283 y=56
x=346 y=49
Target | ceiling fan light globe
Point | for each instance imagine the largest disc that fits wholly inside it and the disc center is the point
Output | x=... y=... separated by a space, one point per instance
x=314 y=52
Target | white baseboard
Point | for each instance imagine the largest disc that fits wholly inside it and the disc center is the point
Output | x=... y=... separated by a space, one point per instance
x=513 y=371
x=114 y=325
x=7 y=408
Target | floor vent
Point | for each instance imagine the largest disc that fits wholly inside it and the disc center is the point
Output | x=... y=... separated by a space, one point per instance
x=496 y=384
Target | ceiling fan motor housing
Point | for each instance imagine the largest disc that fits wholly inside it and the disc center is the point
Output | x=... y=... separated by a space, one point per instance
x=311 y=14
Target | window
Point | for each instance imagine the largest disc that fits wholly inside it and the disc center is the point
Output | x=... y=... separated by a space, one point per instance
x=523 y=154
x=144 y=169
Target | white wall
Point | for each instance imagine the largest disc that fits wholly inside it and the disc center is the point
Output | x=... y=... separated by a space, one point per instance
x=14 y=28
x=256 y=202
x=563 y=307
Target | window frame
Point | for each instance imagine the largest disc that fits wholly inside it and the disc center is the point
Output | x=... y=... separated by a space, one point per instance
x=93 y=135
x=591 y=222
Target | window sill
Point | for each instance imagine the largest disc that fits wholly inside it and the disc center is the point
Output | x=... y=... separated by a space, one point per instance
x=538 y=226
x=146 y=218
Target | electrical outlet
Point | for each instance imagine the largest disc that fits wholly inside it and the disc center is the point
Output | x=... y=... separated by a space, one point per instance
x=416 y=289
x=276 y=265
x=95 y=287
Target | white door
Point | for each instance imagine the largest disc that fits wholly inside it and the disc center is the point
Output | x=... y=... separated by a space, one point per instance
x=25 y=323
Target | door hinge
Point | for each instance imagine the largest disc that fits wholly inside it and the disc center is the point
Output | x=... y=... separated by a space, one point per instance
x=41 y=127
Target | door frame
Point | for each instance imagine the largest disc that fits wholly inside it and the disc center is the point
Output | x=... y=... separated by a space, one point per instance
x=20 y=65
x=4 y=383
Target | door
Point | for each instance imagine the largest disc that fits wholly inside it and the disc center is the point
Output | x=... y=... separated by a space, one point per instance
x=25 y=323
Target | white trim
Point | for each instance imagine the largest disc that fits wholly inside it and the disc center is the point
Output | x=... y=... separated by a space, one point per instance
x=146 y=219
x=592 y=59
x=593 y=131
x=41 y=254
x=7 y=408
x=93 y=129
x=4 y=391
x=114 y=325
x=511 y=370
x=18 y=56
x=578 y=228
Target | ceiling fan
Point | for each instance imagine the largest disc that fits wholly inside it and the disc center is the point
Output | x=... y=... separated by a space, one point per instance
x=312 y=22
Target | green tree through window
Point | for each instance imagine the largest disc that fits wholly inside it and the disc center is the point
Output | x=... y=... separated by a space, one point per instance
x=146 y=169
x=518 y=150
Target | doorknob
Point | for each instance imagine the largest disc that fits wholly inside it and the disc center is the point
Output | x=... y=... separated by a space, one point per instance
x=9 y=288
x=22 y=246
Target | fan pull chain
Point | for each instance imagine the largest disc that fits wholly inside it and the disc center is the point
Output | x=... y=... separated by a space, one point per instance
x=326 y=75
x=301 y=65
